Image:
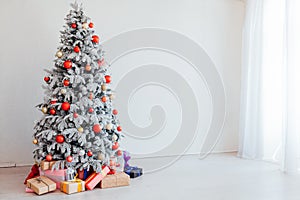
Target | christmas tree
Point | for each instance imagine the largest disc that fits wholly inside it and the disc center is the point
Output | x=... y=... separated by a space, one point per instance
x=79 y=128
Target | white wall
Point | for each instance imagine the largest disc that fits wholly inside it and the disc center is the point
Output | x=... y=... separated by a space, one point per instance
x=30 y=35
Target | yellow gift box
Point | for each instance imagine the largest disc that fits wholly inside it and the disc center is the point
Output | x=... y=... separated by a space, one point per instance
x=70 y=187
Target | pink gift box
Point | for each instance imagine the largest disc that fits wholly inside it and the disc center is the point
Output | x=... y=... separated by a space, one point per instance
x=56 y=175
x=95 y=178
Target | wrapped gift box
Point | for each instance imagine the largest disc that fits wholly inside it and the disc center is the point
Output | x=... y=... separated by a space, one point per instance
x=95 y=178
x=70 y=187
x=133 y=172
x=56 y=175
x=45 y=165
x=115 y=180
x=41 y=185
x=83 y=174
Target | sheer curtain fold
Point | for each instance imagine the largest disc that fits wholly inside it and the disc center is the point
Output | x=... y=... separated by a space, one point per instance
x=251 y=81
x=270 y=101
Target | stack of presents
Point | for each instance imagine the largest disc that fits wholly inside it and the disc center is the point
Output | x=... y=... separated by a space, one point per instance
x=42 y=179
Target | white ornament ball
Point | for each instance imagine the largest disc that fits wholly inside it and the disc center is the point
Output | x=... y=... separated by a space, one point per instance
x=109 y=126
x=85 y=25
x=81 y=152
x=114 y=137
x=100 y=156
x=44 y=110
x=59 y=54
x=63 y=91
x=112 y=96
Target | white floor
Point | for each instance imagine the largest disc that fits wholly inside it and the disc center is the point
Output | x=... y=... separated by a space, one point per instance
x=218 y=177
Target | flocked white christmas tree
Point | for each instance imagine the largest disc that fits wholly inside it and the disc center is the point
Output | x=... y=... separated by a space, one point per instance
x=79 y=128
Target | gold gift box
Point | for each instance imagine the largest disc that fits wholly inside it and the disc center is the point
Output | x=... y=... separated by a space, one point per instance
x=41 y=185
x=70 y=187
x=115 y=180
x=45 y=165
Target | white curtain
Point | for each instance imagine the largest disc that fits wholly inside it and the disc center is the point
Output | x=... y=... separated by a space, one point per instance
x=270 y=101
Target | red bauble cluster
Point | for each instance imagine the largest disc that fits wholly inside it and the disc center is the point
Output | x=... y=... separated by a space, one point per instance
x=66 y=82
x=52 y=111
x=119 y=128
x=68 y=64
x=76 y=49
x=49 y=157
x=89 y=153
x=65 y=106
x=95 y=39
x=115 y=112
x=107 y=79
x=115 y=146
x=73 y=25
x=60 y=139
x=91 y=25
x=69 y=159
x=46 y=79
x=97 y=128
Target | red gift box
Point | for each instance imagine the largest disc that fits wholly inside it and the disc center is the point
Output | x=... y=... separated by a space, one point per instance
x=95 y=178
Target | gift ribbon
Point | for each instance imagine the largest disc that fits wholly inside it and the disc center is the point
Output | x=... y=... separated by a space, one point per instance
x=79 y=184
x=39 y=179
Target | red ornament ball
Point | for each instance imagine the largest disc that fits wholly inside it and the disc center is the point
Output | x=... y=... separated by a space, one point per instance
x=119 y=128
x=76 y=49
x=95 y=39
x=91 y=110
x=89 y=153
x=65 y=106
x=73 y=25
x=119 y=152
x=91 y=25
x=49 y=157
x=54 y=101
x=115 y=112
x=104 y=99
x=52 y=111
x=101 y=62
x=97 y=128
x=107 y=79
x=69 y=159
x=60 y=139
x=115 y=146
x=46 y=79
x=91 y=96
x=68 y=64
x=66 y=82
x=75 y=115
